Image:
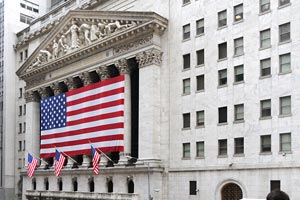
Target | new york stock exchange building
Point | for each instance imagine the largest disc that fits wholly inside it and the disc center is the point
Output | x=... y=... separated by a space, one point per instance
x=174 y=95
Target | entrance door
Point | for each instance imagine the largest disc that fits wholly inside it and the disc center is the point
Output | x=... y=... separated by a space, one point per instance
x=231 y=191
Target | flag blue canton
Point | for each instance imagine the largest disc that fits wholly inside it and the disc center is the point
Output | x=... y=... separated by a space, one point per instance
x=53 y=112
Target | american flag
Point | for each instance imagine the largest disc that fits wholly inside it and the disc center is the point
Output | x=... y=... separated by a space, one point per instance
x=96 y=158
x=32 y=163
x=92 y=114
x=59 y=162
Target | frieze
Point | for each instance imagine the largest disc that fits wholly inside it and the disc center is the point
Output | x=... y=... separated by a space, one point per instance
x=149 y=57
x=133 y=45
x=122 y=66
x=30 y=96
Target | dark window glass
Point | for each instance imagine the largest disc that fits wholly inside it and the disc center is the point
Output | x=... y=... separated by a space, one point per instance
x=200 y=57
x=223 y=50
x=193 y=187
x=222 y=114
x=186 y=61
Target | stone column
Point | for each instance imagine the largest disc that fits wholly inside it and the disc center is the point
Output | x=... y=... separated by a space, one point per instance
x=149 y=103
x=103 y=73
x=70 y=83
x=123 y=68
x=55 y=88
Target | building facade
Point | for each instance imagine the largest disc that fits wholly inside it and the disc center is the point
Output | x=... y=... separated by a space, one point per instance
x=210 y=96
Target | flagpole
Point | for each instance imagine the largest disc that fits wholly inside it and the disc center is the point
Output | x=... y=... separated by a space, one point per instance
x=70 y=157
x=38 y=157
x=103 y=153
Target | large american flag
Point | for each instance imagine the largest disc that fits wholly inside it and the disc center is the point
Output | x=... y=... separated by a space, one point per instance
x=96 y=158
x=93 y=114
x=59 y=162
x=32 y=163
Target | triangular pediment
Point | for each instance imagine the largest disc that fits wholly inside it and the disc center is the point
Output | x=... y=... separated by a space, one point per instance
x=81 y=32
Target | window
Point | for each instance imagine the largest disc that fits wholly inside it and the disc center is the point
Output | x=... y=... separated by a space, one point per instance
x=24 y=109
x=20 y=92
x=238 y=73
x=223 y=50
x=24 y=145
x=21 y=56
x=23 y=5
x=20 y=146
x=26 y=53
x=75 y=185
x=265 y=38
x=60 y=185
x=19 y=163
x=285 y=142
x=110 y=186
x=20 y=110
x=46 y=183
x=238 y=12
x=239 y=46
x=200 y=118
x=264 y=5
x=265 y=106
x=284 y=32
x=222 y=77
x=186 y=150
x=200 y=149
x=186 y=86
x=193 y=187
x=223 y=115
x=200 y=27
x=285 y=63
x=34 y=184
x=222 y=18
x=265 y=143
x=25 y=19
x=239 y=112
x=274 y=185
x=200 y=57
x=283 y=2
x=186 y=1
x=265 y=67
x=200 y=82
x=186 y=61
x=186 y=120
x=130 y=186
x=239 y=145
x=24 y=127
x=285 y=105
x=20 y=127
x=186 y=32
x=222 y=147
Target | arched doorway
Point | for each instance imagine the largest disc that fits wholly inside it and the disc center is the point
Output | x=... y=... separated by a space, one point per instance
x=231 y=191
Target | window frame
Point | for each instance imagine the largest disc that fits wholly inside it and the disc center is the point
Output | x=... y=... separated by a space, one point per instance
x=285 y=3
x=200 y=30
x=186 y=150
x=282 y=65
x=263 y=63
x=222 y=109
x=200 y=81
x=236 y=118
x=200 y=118
x=222 y=77
x=261 y=6
x=186 y=32
x=283 y=32
x=263 y=109
x=222 y=148
x=200 y=57
x=262 y=145
x=186 y=61
x=222 y=51
x=238 y=47
x=263 y=40
x=239 y=146
x=186 y=89
x=222 y=18
x=200 y=149
x=237 y=76
x=281 y=143
x=281 y=106
x=236 y=14
x=186 y=120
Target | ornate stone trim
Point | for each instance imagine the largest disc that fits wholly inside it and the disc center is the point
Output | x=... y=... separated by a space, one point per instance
x=85 y=78
x=149 y=57
x=55 y=88
x=122 y=66
x=133 y=45
x=42 y=92
x=103 y=73
x=30 y=96
x=70 y=83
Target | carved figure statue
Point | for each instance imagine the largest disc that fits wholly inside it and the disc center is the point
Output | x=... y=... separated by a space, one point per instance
x=55 y=49
x=62 y=45
x=85 y=28
x=46 y=54
x=93 y=32
x=37 y=61
x=73 y=30
x=114 y=26
x=102 y=30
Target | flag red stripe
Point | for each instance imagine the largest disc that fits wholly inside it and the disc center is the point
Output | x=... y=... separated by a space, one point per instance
x=96 y=118
x=96 y=85
x=84 y=141
x=96 y=107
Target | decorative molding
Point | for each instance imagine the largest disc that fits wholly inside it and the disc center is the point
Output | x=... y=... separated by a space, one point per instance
x=122 y=66
x=34 y=82
x=103 y=73
x=149 y=57
x=42 y=92
x=133 y=45
x=85 y=78
x=56 y=89
x=30 y=96
x=70 y=83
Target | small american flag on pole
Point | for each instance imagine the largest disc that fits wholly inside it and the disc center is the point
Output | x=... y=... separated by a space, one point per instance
x=90 y=114
x=32 y=163
x=59 y=162
x=96 y=158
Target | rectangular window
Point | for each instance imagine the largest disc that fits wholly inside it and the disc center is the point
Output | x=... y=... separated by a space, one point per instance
x=222 y=147
x=200 y=27
x=239 y=145
x=223 y=50
x=193 y=187
x=186 y=1
x=265 y=107
x=285 y=63
x=239 y=46
x=285 y=105
x=238 y=73
x=21 y=56
x=24 y=145
x=20 y=146
x=26 y=53
x=200 y=82
x=265 y=67
x=186 y=61
x=222 y=18
x=200 y=118
x=186 y=120
x=265 y=143
x=20 y=110
x=238 y=12
x=20 y=163
x=200 y=149
x=20 y=92
x=265 y=38
x=24 y=127
x=24 y=109
x=200 y=57
x=284 y=32
x=285 y=142
x=20 y=127
x=265 y=5
x=223 y=115
x=239 y=112
x=186 y=150
x=222 y=77
x=23 y=5
x=274 y=185
x=186 y=32
x=186 y=86
x=283 y=2
x=25 y=19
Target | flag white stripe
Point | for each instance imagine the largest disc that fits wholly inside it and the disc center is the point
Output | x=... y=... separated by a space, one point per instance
x=84 y=125
x=83 y=136
x=96 y=112
x=96 y=91
x=84 y=146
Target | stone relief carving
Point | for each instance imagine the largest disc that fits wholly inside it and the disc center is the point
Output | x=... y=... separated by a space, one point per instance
x=70 y=83
x=78 y=34
x=103 y=73
x=122 y=66
x=55 y=88
x=30 y=96
x=149 y=57
x=42 y=92
x=85 y=77
x=133 y=45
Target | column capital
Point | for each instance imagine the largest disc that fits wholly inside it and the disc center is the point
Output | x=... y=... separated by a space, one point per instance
x=55 y=88
x=103 y=73
x=30 y=96
x=122 y=66
x=85 y=78
x=42 y=92
x=70 y=83
x=149 y=57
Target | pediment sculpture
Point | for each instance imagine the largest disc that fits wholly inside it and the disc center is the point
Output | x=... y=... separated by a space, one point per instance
x=77 y=35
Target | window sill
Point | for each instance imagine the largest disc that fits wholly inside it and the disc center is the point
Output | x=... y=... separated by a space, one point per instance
x=264 y=48
x=284 y=152
x=185 y=158
x=222 y=27
x=238 y=21
x=284 y=73
x=222 y=156
x=186 y=129
x=202 y=65
x=285 y=115
x=222 y=123
x=186 y=94
x=185 y=4
x=222 y=86
x=264 y=77
x=199 y=127
x=199 y=157
x=239 y=82
x=200 y=35
x=222 y=59
x=187 y=39
x=285 y=42
x=239 y=155
x=265 y=153
x=238 y=55
x=186 y=69
x=285 y=5
x=265 y=118
x=200 y=91
x=238 y=121
x=264 y=12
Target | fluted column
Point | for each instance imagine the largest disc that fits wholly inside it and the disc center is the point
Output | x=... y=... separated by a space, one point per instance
x=124 y=69
x=149 y=103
